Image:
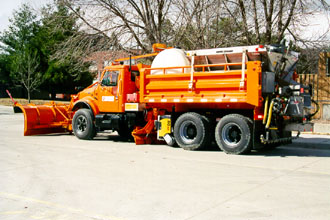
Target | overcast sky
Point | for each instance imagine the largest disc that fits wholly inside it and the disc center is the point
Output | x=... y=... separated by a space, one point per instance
x=318 y=24
x=7 y=7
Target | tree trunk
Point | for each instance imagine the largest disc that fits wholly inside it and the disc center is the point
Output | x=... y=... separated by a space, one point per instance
x=29 y=96
x=53 y=95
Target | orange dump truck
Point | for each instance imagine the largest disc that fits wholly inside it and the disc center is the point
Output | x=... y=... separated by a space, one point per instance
x=242 y=98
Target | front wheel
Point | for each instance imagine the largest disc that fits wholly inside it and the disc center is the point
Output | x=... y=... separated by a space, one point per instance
x=83 y=125
x=233 y=134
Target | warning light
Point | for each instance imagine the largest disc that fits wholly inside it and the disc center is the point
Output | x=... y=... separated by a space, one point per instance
x=260 y=116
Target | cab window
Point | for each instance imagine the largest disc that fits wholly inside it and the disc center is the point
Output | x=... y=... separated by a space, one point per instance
x=110 y=78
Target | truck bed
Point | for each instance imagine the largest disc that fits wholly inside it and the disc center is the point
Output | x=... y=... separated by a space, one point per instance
x=222 y=86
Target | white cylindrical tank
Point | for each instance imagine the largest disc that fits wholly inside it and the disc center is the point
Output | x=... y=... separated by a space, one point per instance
x=170 y=58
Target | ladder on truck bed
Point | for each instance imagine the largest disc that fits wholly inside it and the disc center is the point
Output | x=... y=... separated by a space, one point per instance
x=208 y=60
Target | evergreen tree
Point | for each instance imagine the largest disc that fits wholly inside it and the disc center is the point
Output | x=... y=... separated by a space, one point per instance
x=21 y=51
x=61 y=76
x=28 y=46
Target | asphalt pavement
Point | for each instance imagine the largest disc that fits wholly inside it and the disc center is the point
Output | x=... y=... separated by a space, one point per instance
x=58 y=177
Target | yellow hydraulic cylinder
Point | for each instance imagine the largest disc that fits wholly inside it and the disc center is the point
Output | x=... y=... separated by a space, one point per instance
x=265 y=110
x=270 y=114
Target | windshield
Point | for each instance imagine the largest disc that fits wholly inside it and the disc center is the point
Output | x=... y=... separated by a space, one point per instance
x=110 y=78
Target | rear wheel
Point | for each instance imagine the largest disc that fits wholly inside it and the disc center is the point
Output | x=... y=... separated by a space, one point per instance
x=83 y=125
x=233 y=134
x=191 y=131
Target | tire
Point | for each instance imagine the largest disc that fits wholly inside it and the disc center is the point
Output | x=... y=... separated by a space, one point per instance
x=83 y=125
x=191 y=131
x=233 y=134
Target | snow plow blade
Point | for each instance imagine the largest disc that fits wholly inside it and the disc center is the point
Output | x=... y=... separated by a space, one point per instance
x=45 y=119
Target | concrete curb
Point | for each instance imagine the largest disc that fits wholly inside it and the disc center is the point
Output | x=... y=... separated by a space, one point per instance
x=322 y=128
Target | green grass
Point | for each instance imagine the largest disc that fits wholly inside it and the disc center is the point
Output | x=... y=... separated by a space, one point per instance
x=8 y=101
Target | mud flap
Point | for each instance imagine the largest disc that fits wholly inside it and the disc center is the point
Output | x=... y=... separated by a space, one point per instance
x=146 y=134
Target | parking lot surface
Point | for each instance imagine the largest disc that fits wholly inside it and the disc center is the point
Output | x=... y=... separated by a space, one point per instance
x=58 y=177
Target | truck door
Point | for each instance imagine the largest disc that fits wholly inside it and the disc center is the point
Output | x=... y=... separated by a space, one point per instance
x=108 y=91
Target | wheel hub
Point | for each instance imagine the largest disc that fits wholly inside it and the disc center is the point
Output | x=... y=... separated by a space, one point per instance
x=188 y=132
x=81 y=123
x=232 y=134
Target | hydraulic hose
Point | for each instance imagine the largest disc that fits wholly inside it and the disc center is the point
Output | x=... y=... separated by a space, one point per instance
x=317 y=109
x=265 y=110
x=270 y=113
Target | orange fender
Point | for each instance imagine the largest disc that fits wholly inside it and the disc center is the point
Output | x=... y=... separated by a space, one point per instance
x=86 y=102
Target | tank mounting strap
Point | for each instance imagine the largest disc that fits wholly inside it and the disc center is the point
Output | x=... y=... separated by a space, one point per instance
x=191 y=82
x=244 y=58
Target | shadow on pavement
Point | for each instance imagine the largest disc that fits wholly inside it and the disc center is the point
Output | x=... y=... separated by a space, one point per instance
x=111 y=137
x=306 y=147
x=288 y=151
x=313 y=142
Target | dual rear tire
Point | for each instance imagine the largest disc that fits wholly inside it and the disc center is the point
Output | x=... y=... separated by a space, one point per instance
x=233 y=134
x=193 y=131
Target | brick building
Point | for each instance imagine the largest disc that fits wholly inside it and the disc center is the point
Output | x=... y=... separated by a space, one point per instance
x=321 y=85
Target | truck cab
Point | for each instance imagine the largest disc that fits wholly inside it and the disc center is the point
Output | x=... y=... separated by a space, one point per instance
x=106 y=102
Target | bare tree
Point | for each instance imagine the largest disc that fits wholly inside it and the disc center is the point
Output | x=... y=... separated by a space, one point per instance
x=203 y=24
x=137 y=24
x=26 y=64
x=124 y=23
x=269 y=21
